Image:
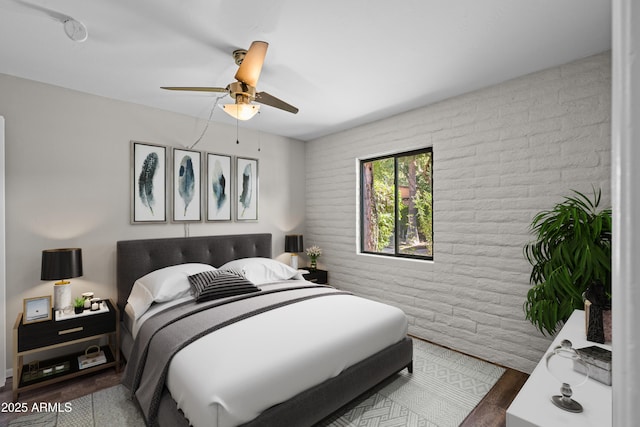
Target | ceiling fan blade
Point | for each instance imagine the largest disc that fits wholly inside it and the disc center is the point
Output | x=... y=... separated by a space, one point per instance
x=196 y=89
x=265 y=98
x=249 y=70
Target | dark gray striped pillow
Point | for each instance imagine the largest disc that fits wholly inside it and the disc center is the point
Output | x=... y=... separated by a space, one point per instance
x=216 y=284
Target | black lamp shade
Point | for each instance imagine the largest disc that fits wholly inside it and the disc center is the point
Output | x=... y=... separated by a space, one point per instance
x=293 y=243
x=60 y=264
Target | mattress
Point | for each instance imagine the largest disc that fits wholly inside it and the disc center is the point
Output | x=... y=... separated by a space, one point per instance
x=233 y=374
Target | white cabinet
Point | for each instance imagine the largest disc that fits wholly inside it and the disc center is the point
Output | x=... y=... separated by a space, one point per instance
x=533 y=407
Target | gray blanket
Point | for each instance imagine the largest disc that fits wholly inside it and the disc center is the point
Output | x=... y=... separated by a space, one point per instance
x=166 y=333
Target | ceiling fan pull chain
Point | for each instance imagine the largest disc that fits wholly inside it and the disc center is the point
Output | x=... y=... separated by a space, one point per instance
x=259 y=138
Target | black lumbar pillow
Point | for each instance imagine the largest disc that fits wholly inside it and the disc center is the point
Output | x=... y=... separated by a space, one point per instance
x=216 y=284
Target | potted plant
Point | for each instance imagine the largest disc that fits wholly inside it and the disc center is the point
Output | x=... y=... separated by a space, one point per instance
x=571 y=250
x=78 y=305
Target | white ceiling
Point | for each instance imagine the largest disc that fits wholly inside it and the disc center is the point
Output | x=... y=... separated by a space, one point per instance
x=341 y=62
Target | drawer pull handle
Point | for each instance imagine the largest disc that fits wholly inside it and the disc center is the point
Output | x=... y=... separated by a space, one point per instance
x=70 y=331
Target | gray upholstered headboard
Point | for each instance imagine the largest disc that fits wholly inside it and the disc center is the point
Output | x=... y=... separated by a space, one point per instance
x=135 y=258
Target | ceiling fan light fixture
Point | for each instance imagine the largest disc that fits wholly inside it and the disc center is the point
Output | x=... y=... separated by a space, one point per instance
x=241 y=111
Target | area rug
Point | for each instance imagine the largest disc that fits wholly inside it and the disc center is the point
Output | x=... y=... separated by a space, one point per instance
x=444 y=388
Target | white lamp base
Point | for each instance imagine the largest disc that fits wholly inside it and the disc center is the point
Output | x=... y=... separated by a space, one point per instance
x=294 y=261
x=61 y=296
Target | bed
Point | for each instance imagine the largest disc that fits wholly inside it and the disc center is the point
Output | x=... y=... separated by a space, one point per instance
x=370 y=357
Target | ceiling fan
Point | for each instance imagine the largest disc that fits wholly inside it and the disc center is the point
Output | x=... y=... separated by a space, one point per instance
x=243 y=91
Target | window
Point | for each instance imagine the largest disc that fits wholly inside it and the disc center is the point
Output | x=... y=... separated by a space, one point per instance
x=396 y=209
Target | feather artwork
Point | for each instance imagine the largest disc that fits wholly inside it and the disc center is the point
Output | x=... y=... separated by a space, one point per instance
x=145 y=181
x=218 y=183
x=245 y=197
x=186 y=181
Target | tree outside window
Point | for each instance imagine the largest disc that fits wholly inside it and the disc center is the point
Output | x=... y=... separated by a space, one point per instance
x=397 y=205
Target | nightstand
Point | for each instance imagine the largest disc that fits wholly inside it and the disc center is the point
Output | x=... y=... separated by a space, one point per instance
x=317 y=276
x=52 y=334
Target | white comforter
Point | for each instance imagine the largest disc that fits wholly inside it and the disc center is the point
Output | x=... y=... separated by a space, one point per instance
x=230 y=376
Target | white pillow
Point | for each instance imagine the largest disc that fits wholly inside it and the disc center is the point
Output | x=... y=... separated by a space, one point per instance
x=163 y=285
x=262 y=270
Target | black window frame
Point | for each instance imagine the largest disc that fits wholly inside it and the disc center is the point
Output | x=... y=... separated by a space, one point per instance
x=395 y=157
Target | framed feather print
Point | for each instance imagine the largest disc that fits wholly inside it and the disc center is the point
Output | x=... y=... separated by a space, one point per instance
x=148 y=183
x=218 y=187
x=246 y=189
x=186 y=186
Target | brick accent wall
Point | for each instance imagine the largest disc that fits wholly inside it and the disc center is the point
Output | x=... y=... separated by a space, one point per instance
x=501 y=154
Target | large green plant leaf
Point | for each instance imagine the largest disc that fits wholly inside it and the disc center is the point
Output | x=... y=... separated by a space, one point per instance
x=571 y=250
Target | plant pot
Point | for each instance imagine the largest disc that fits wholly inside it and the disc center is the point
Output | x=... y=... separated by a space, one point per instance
x=78 y=310
x=602 y=323
x=606 y=320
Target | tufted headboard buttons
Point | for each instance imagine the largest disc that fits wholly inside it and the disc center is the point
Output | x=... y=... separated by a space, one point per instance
x=135 y=258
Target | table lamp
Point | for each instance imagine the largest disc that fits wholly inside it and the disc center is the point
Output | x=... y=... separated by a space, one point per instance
x=293 y=244
x=61 y=264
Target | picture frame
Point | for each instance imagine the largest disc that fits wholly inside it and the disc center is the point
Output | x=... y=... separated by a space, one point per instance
x=37 y=309
x=218 y=187
x=187 y=177
x=247 y=181
x=148 y=183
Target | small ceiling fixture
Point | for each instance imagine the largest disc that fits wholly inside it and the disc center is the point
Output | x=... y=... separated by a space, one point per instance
x=73 y=28
x=243 y=91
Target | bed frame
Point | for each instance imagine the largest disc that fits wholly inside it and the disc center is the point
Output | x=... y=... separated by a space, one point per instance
x=135 y=258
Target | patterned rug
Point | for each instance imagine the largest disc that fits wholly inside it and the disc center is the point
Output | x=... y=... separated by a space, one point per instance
x=444 y=388
x=105 y=408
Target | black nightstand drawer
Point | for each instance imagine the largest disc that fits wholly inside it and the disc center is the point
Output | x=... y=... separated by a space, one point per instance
x=317 y=276
x=42 y=334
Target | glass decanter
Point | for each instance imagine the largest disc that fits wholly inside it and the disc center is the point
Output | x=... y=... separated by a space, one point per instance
x=560 y=363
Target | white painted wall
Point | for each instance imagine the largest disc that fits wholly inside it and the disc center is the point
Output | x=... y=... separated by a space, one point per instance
x=626 y=211
x=501 y=155
x=67 y=182
x=3 y=308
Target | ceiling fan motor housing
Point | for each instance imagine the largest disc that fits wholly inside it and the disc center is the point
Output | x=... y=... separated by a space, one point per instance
x=242 y=89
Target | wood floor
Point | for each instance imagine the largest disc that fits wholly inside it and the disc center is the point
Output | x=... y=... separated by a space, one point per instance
x=490 y=412
x=492 y=409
